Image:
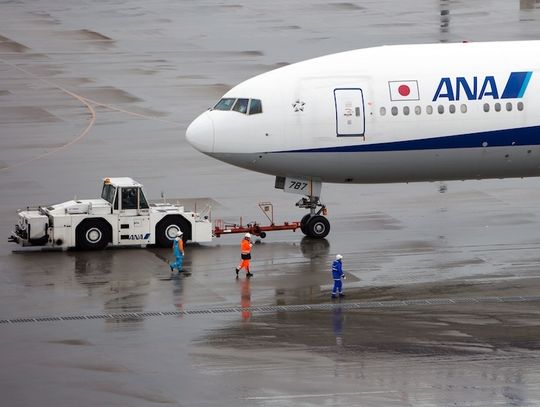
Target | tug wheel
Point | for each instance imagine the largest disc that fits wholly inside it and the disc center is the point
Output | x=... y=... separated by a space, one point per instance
x=93 y=234
x=167 y=228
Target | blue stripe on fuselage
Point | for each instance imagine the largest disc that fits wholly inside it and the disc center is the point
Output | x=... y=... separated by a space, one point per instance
x=497 y=138
x=525 y=84
x=516 y=85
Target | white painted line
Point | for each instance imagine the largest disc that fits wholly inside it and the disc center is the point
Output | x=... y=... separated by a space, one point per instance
x=301 y=396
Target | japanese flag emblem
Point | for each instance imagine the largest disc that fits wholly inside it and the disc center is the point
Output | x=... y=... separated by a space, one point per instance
x=403 y=90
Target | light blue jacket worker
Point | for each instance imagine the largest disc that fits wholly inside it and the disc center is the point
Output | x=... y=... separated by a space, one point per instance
x=178 y=250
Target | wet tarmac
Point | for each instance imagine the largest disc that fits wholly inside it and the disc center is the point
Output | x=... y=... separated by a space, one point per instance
x=443 y=281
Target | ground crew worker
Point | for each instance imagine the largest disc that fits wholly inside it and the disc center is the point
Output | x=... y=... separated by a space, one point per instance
x=337 y=274
x=245 y=254
x=178 y=250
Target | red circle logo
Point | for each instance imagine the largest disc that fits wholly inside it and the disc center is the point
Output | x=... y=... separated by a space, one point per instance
x=404 y=90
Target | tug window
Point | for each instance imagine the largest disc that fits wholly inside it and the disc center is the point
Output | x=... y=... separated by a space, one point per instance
x=255 y=106
x=143 y=204
x=129 y=198
x=108 y=193
x=224 y=104
x=241 y=105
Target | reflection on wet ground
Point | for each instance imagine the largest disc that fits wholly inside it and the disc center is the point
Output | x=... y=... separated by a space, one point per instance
x=409 y=357
x=90 y=89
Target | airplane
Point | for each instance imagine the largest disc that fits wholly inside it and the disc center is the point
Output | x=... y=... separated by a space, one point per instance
x=399 y=113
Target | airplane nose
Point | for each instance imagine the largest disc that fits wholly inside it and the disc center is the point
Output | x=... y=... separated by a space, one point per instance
x=200 y=133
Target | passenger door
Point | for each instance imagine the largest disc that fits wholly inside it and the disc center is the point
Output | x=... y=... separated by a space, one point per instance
x=350 y=113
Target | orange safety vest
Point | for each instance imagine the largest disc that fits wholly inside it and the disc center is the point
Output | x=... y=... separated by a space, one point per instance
x=245 y=246
x=181 y=246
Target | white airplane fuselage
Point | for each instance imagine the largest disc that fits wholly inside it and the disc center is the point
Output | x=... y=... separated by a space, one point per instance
x=387 y=114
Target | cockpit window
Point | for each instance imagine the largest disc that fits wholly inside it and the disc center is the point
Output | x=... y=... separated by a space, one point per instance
x=255 y=106
x=225 y=104
x=241 y=105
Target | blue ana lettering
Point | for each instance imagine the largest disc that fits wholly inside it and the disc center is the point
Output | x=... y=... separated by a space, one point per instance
x=462 y=87
x=139 y=236
x=448 y=90
x=461 y=83
x=489 y=81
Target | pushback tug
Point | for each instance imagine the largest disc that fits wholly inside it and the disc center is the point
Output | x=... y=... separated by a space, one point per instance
x=122 y=216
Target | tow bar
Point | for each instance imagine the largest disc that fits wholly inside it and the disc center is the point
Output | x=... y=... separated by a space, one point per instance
x=254 y=228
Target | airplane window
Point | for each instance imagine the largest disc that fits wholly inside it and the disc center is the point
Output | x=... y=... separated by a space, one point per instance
x=255 y=106
x=394 y=111
x=509 y=107
x=520 y=106
x=429 y=109
x=463 y=108
x=440 y=109
x=224 y=104
x=497 y=107
x=486 y=107
x=452 y=109
x=241 y=105
x=406 y=110
x=417 y=110
x=383 y=111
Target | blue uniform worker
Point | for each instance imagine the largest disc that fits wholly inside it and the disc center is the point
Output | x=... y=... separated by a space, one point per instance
x=337 y=274
x=178 y=249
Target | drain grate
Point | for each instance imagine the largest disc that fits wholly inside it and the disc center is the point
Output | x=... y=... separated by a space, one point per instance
x=277 y=308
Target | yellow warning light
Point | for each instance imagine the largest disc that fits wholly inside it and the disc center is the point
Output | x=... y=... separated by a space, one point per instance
x=107 y=181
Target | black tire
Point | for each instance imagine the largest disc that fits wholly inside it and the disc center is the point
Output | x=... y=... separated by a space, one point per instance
x=262 y=235
x=93 y=234
x=317 y=227
x=304 y=222
x=167 y=228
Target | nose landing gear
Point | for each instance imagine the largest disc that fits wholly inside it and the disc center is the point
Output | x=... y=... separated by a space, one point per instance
x=314 y=224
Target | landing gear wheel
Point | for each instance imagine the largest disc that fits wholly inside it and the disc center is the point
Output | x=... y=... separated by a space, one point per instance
x=317 y=227
x=92 y=235
x=303 y=223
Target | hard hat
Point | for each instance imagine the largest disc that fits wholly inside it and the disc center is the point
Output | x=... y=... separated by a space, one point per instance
x=247 y=236
x=339 y=256
x=179 y=233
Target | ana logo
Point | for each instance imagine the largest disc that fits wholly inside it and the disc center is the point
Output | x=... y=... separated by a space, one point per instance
x=479 y=88
x=139 y=236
